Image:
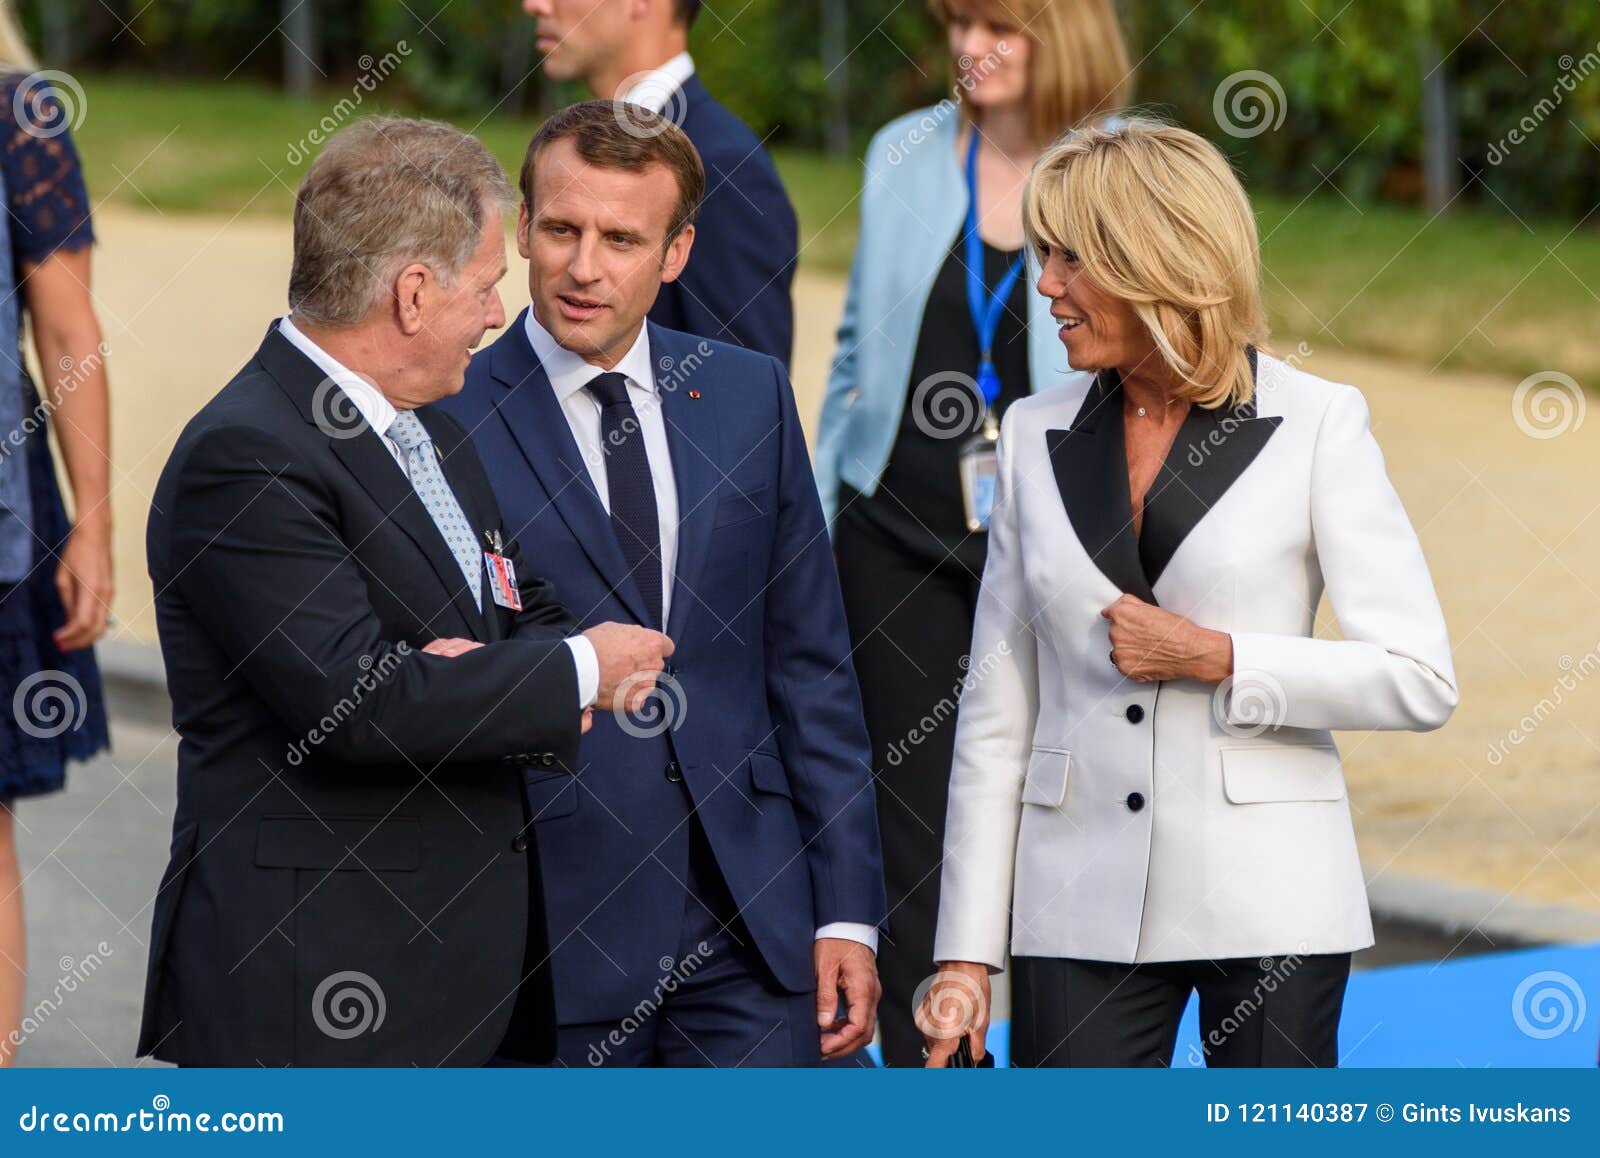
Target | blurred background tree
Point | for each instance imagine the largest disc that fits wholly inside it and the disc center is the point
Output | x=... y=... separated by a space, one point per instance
x=1408 y=101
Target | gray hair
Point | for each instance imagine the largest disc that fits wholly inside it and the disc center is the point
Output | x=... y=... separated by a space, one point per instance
x=383 y=193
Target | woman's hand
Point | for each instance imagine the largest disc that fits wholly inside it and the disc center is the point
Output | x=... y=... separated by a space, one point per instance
x=1148 y=643
x=83 y=580
x=955 y=1006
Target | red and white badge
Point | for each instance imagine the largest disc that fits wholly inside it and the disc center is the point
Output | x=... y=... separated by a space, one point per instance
x=502 y=575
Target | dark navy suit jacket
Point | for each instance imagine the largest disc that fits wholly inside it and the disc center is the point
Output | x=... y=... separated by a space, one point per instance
x=767 y=745
x=736 y=285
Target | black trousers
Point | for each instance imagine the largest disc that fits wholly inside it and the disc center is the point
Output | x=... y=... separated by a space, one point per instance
x=910 y=630
x=1268 y=1011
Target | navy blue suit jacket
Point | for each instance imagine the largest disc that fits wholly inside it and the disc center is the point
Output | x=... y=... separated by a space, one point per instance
x=767 y=745
x=736 y=285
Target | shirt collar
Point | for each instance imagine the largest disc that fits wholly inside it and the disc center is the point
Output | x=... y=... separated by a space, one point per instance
x=653 y=89
x=378 y=411
x=569 y=373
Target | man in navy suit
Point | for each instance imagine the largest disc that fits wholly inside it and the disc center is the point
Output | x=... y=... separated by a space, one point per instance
x=736 y=287
x=713 y=873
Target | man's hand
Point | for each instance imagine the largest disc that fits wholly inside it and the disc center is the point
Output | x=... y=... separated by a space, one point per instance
x=450 y=647
x=849 y=968
x=629 y=659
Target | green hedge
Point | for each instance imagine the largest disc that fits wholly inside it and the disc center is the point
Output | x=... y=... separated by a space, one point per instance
x=1350 y=74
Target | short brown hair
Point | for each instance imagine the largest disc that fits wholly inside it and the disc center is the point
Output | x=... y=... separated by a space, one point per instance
x=383 y=193
x=686 y=11
x=1080 y=66
x=619 y=135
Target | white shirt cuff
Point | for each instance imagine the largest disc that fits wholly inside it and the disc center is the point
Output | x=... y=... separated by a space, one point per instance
x=850 y=931
x=588 y=665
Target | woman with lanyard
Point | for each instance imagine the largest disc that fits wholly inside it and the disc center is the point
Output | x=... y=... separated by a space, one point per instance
x=941 y=332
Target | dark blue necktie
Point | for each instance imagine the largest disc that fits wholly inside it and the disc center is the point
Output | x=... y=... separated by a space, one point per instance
x=631 y=490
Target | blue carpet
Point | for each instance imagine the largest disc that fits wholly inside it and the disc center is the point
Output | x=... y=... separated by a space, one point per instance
x=1526 y=1007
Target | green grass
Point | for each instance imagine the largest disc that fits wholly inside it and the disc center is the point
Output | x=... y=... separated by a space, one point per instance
x=1472 y=289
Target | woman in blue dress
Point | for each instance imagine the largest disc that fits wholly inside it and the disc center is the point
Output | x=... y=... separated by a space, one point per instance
x=55 y=573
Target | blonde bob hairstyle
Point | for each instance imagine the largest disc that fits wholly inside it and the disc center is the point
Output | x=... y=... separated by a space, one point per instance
x=14 y=54
x=1079 y=68
x=1157 y=217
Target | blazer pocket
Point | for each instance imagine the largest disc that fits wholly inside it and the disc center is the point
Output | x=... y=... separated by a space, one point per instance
x=740 y=506
x=353 y=843
x=1047 y=777
x=1266 y=775
x=767 y=775
x=552 y=796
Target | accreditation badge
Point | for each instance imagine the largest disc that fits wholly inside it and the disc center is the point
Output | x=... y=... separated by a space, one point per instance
x=979 y=466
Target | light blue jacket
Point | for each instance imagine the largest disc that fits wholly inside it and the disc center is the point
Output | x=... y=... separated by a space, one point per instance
x=913 y=207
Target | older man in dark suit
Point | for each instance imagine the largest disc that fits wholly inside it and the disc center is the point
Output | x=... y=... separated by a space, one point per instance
x=361 y=662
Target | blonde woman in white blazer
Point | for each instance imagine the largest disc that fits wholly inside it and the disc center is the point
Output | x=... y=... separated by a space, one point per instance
x=1146 y=799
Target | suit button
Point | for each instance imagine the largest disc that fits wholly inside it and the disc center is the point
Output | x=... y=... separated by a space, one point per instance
x=674 y=773
x=1135 y=713
x=1135 y=801
x=519 y=843
x=548 y=759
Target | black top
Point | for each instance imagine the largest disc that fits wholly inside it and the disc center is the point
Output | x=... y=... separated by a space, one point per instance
x=918 y=502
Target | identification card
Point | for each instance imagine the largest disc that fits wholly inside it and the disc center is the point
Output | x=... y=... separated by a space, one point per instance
x=979 y=466
x=503 y=581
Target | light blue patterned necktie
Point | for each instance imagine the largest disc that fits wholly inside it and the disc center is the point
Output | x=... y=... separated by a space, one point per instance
x=427 y=478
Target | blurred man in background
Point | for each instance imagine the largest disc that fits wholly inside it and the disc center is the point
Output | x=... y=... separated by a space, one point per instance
x=736 y=286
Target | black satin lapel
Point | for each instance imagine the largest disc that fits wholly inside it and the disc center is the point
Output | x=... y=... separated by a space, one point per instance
x=1091 y=469
x=369 y=460
x=1213 y=448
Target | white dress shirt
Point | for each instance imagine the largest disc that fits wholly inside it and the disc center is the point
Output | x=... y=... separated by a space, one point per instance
x=653 y=90
x=380 y=414
x=569 y=375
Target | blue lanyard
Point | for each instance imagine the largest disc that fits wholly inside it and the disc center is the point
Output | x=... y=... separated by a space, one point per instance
x=984 y=306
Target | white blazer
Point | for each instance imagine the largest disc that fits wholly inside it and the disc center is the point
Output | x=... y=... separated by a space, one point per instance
x=1098 y=817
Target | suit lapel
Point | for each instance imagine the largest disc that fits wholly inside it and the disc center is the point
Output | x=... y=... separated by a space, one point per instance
x=1212 y=450
x=365 y=456
x=527 y=404
x=693 y=441
x=1091 y=468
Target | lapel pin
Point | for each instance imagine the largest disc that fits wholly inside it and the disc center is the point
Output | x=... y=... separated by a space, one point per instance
x=694 y=394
